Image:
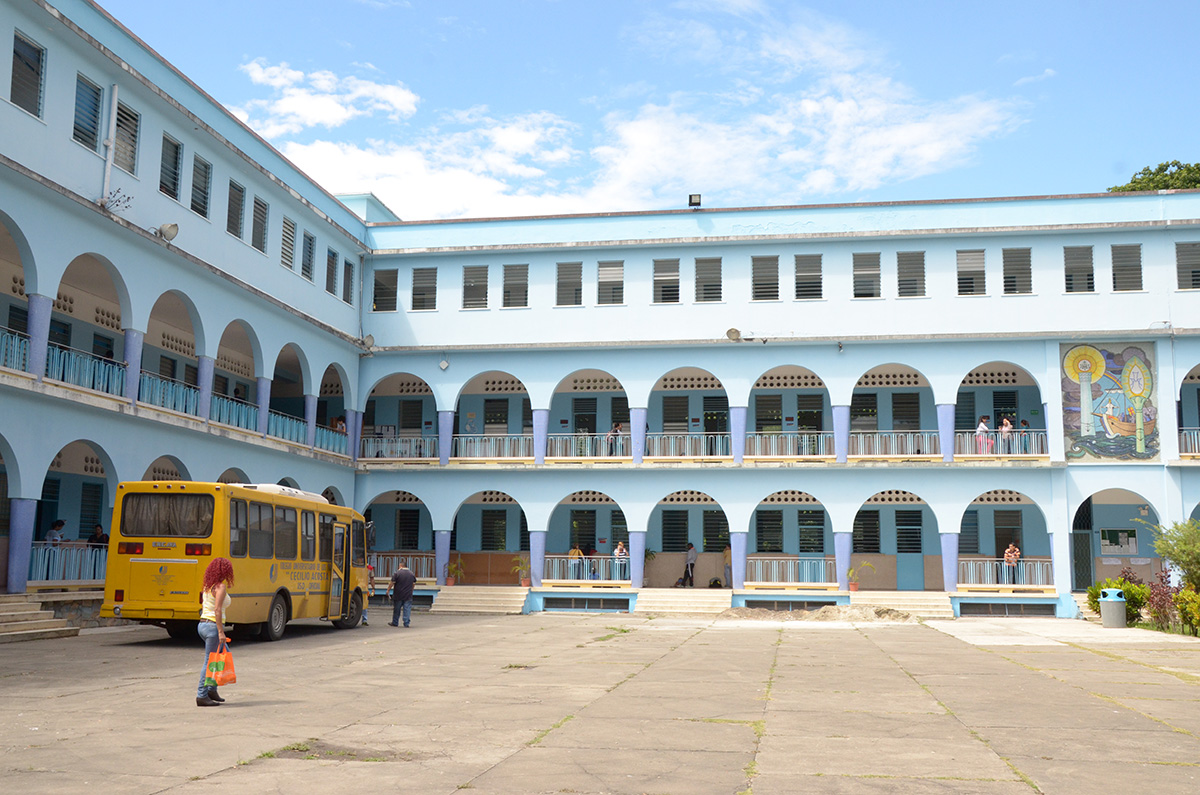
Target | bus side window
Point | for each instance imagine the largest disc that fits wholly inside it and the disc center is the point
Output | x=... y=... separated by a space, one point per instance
x=308 y=535
x=285 y=533
x=326 y=538
x=237 y=529
x=358 y=541
x=262 y=531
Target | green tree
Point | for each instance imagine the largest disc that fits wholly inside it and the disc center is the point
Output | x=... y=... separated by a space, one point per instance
x=1165 y=176
x=1180 y=544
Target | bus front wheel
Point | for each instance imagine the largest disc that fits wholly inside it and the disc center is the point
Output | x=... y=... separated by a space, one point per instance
x=353 y=615
x=276 y=619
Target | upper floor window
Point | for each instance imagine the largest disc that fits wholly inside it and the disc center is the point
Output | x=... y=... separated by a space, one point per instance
x=666 y=281
x=308 y=256
x=1127 y=268
x=910 y=274
x=201 y=185
x=764 y=274
x=1077 y=269
x=126 y=143
x=808 y=276
x=866 y=275
x=287 y=244
x=610 y=283
x=384 y=297
x=424 y=288
x=475 y=287
x=258 y=224
x=970 y=273
x=516 y=285
x=331 y=271
x=570 y=284
x=170 y=167
x=1018 y=271
x=708 y=279
x=1187 y=265
x=28 y=65
x=235 y=217
x=88 y=98
x=348 y=281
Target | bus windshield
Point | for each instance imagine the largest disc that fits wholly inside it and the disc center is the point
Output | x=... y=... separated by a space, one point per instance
x=185 y=515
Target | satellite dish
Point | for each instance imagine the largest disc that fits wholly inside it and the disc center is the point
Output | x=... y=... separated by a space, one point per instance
x=734 y=335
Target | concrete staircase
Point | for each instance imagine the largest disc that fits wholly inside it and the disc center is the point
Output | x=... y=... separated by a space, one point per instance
x=1085 y=612
x=923 y=604
x=683 y=601
x=22 y=618
x=500 y=599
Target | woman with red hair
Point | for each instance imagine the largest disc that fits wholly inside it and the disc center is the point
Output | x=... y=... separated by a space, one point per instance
x=217 y=579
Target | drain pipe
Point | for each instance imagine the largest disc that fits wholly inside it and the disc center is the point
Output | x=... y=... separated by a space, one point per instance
x=109 y=147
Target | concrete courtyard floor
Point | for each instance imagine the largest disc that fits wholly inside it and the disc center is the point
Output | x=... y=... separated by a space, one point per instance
x=569 y=703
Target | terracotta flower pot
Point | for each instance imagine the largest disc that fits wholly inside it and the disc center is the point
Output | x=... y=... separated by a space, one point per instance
x=853 y=586
x=449 y=581
x=525 y=582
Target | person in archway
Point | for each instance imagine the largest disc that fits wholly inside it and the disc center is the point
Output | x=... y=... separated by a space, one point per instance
x=613 y=438
x=689 y=568
x=400 y=589
x=575 y=559
x=1012 y=560
x=621 y=558
x=728 y=556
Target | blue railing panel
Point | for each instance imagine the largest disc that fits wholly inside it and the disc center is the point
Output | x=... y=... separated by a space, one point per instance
x=168 y=394
x=86 y=370
x=399 y=447
x=230 y=411
x=66 y=562
x=283 y=426
x=14 y=350
x=331 y=440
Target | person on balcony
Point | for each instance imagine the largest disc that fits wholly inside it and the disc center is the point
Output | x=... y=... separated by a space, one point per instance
x=1012 y=558
x=54 y=536
x=98 y=538
x=621 y=559
x=613 y=438
x=575 y=560
x=1006 y=436
x=983 y=445
x=1023 y=436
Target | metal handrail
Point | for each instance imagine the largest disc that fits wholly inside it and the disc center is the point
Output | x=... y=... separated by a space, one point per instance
x=587 y=445
x=795 y=444
x=513 y=445
x=791 y=569
x=285 y=426
x=14 y=349
x=331 y=440
x=895 y=443
x=996 y=443
x=691 y=445
x=1189 y=441
x=422 y=564
x=399 y=447
x=67 y=561
x=602 y=568
x=993 y=571
x=168 y=393
x=231 y=411
x=84 y=369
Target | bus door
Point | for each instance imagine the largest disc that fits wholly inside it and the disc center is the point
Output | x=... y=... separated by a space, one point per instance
x=339 y=596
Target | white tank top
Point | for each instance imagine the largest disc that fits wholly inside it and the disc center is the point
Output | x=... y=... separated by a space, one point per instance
x=208 y=608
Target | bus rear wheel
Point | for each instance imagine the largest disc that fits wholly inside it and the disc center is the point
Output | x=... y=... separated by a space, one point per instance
x=182 y=630
x=276 y=619
x=353 y=615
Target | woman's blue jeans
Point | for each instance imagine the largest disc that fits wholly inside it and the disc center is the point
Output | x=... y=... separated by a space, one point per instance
x=208 y=631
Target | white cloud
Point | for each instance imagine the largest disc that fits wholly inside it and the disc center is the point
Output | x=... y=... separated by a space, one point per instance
x=1045 y=75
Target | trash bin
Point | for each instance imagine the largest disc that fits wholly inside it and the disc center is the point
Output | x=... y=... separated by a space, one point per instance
x=1112 y=608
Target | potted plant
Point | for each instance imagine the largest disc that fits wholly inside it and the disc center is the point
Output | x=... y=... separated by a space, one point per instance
x=455 y=570
x=853 y=573
x=520 y=567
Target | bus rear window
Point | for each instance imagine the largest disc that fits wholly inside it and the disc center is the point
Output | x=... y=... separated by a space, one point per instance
x=175 y=515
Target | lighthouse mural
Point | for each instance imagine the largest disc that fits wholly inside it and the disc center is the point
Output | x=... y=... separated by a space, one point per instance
x=1109 y=408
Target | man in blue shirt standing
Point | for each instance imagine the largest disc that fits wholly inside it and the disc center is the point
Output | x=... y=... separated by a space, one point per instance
x=400 y=588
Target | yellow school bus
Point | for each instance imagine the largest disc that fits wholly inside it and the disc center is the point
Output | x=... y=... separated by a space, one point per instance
x=294 y=555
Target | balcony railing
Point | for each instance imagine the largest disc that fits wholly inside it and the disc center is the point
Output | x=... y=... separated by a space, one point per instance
x=992 y=571
x=386 y=563
x=688 y=445
x=895 y=443
x=168 y=394
x=507 y=446
x=331 y=440
x=68 y=561
x=14 y=350
x=231 y=411
x=399 y=447
x=85 y=369
x=600 y=568
x=787 y=569
x=995 y=443
x=1189 y=441
x=789 y=445
x=587 y=445
x=285 y=426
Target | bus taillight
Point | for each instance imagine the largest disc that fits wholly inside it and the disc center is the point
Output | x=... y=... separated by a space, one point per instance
x=196 y=550
x=119 y=595
x=130 y=548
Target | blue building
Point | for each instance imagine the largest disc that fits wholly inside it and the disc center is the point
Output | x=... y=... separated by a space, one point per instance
x=816 y=387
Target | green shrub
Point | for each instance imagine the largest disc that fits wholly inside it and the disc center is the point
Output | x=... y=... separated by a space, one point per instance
x=1179 y=543
x=1135 y=597
x=1188 y=602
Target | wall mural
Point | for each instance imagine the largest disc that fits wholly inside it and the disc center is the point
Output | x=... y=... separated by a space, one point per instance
x=1108 y=401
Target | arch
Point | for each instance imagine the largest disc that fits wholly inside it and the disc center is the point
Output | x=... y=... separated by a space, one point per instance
x=900 y=426
x=1116 y=523
x=682 y=410
x=402 y=523
x=894 y=519
x=334 y=495
x=16 y=257
x=472 y=399
x=166 y=467
x=12 y=469
x=93 y=288
x=291 y=375
x=989 y=523
x=680 y=518
x=335 y=393
x=165 y=326
x=233 y=475
x=289 y=482
x=86 y=465
x=489 y=528
x=585 y=407
x=240 y=352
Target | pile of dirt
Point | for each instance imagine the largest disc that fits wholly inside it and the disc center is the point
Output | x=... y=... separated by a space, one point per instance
x=827 y=613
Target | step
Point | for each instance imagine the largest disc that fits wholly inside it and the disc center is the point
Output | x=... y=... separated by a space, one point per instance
x=13 y=627
x=39 y=634
x=24 y=616
x=480 y=599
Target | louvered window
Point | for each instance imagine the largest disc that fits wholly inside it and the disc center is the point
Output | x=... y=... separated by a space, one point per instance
x=28 y=63
x=610 y=286
x=865 y=538
x=287 y=245
x=1187 y=265
x=910 y=274
x=971 y=273
x=1018 y=273
x=768 y=413
x=220 y=385
x=103 y=346
x=475 y=287
x=570 y=284
x=526 y=416
x=708 y=279
x=674 y=531
x=808 y=276
x=1077 y=268
x=620 y=410
x=201 y=185
x=331 y=271
x=126 y=143
x=1008 y=529
x=408 y=524
x=583 y=413
x=765 y=274
x=424 y=288
x=716 y=414
x=968 y=533
x=583 y=529
x=523 y=533
x=908 y=531
x=675 y=414
x=91 y=505
x=348 y=281
x=716 y=531
x=768 y=531
x=516 y=285
x=906 y=411
x=812 y=531
x=258 y=224
x=170 y=167
x=235 y=218
x=964 y=411
x=308 y=256
x=666 y=281
x=619 y=529
x=1004 y=404
x=866 y=275
x=495 y=416
x=166 y=367
x=191 y=375
x=810 y=411
x=1127 y=268
x=493 y=531
x=864 y=415
x=18 y=319
x=411 y=416
x=88 y=98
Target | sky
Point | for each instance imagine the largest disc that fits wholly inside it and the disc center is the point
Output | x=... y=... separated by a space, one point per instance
x=487 y=108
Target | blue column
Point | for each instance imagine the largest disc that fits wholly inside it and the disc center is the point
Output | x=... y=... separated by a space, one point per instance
x=541 y=423
x=445 y=436
x=441 y=553
x=537 y=556
x=21 y=515
x=637 y=555
x=945 y=414
x=843 y=543
x=133 y=363
x=38 y=327
x=310 y=419
x=950 y=561
x=841 y=434
x=204 y=382
x=737 y=432
x=353 y=433
x=637 y=437
x=263 y=394
x=737 y=558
